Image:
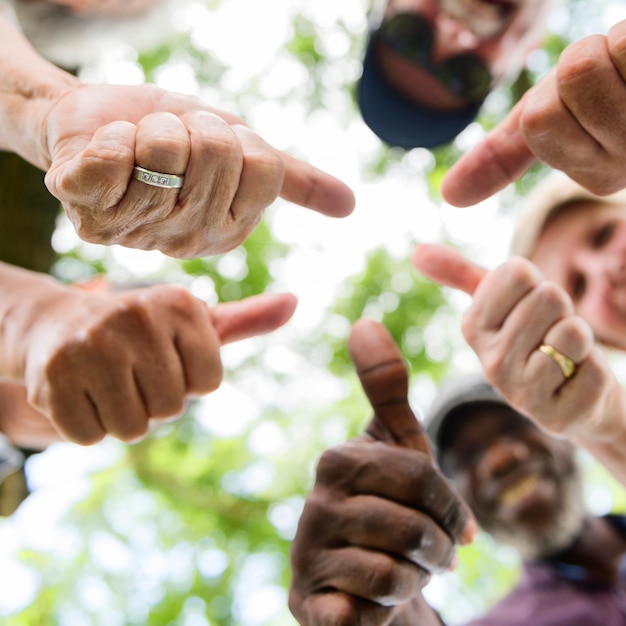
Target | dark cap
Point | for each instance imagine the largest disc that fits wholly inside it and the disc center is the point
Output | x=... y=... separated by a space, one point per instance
x=455 y=393
x=399 y=121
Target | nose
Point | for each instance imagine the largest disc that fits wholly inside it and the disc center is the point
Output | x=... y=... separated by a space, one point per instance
x=607 y=267
x=452 y=37
x=615 y=270
x=500 y=457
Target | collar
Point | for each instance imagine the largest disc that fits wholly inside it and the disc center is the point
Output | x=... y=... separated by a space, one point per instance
x=577 y=573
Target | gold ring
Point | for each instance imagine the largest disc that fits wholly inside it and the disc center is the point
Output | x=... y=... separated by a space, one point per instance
x=566 y=365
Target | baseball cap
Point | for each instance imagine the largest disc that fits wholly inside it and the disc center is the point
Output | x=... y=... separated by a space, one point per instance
x=551 y=194
x=454 y=394
x=400 y=121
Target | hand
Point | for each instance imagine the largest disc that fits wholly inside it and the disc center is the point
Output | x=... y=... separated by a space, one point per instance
x=514 y=311
x=572 y=120
x=24 y=426
x=380 y=518
x=99 y=364
x=95 y=134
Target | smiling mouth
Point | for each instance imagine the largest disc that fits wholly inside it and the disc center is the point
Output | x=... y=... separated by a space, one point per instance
x=520 y=490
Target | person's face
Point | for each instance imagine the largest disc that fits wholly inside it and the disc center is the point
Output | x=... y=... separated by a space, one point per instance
x=583 y=249
x=517 y=479
x=463 y=47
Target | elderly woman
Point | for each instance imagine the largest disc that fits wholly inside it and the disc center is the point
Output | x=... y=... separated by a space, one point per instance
x=536 y=321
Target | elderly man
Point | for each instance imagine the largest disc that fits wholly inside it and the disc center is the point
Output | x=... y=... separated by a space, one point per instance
x=429 y=64
x=381 y=518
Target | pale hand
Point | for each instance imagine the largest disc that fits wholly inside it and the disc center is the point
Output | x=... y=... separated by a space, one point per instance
x=95 y=134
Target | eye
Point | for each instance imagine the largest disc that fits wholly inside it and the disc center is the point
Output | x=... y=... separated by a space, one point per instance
x=577 y=287
x=603 y=235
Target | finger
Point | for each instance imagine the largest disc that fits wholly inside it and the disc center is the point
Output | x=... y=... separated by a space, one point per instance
x=385 y=526
x=446 y=266
x=500 y=292
x=94 y=173
x=312 y=188
x=571 y=336
x=513 y=331
x=384 y=377
x=501 y=158
x=71 y=412
x=375 y=576
x=261 y=177
x=215 y=166
x=162 y=144
x=616 y=42
x=198 y=347
x=256 y=315
x=160 y=378
x=592 y=89
x=553 y=133
x=331 y=607
x=121 y=405
x=396 y=474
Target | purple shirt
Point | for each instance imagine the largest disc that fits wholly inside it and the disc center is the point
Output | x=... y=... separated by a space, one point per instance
x=553 y=593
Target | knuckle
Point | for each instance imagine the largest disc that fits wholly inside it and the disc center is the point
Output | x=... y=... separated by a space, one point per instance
x=129 y=432
x=519 y=272
x=616 y=45
x=578 y=61
x=169 y=407
x=596 y=371
x=469 y=326
x=493 y=366
x=226 y=149
x=383 y=581
x=537 y=116
x=213 y=379
x=334 y=462
x=552 y=296
x=576 y=331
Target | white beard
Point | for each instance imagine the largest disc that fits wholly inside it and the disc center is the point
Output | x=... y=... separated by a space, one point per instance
x=565 y=529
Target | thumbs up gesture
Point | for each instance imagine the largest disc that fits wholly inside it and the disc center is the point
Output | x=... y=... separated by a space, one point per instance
x=380 y=518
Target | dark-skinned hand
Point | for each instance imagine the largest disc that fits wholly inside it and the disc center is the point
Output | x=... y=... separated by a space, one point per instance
x=381 y=518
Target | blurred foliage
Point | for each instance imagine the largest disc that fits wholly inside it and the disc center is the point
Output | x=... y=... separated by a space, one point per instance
x=191 y=526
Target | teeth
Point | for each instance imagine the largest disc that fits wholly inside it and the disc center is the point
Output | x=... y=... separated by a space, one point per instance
x=519 y=490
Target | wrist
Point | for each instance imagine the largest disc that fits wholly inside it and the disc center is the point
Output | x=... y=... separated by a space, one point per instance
x=29 y=88
x=29 y=305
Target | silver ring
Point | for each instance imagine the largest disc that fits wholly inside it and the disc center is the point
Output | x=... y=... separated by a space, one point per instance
x=157 y=179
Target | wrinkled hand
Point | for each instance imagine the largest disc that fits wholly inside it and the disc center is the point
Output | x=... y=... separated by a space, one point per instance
x=573 y=120
x=98 y=364
x=380 y=518
x=95 y=134
x=514 y=310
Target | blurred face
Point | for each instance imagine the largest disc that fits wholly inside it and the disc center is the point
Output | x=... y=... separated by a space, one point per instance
x=448 y=54
x=522 y=484
x=583 y=249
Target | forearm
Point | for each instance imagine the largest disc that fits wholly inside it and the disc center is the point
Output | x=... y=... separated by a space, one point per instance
x=26 y=298
x=29 y=85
